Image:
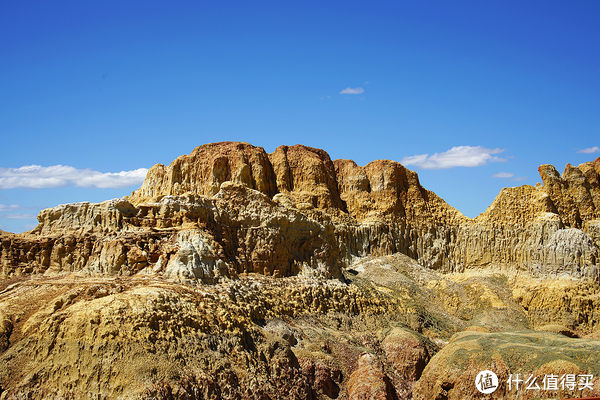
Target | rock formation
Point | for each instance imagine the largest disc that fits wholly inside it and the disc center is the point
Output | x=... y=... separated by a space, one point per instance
x=297 y=211
x=234 y=273
x=453 y=370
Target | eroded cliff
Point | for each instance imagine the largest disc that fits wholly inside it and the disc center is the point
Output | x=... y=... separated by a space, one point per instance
x=296 y=211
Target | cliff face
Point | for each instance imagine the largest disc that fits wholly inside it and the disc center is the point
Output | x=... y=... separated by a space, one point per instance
x=296 y=211
x=190 y=237
x=203 y=171
x=307 y=175
x=551 y=228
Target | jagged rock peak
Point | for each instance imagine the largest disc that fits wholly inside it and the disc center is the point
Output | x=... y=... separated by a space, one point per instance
x=305 y=174
x=385 y=187
x=203 y=171
x=301 y=176
x=576 y=193
x=573 y=197
x=308 y=175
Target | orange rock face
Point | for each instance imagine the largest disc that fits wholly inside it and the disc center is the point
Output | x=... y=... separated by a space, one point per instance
x=368 y=381
x=203 y=171
x=576 y=193
x=307 y=174
x=385 y=187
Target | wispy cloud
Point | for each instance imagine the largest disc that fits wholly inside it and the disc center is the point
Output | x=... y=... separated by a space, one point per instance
x=457 y=156
x=503 y=175
x=18 y=216
x=349 y=90
x=37 y=177
x=589 y=150
x=8 y=207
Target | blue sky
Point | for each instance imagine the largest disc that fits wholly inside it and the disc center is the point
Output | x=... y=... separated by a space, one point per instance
x=106 y=88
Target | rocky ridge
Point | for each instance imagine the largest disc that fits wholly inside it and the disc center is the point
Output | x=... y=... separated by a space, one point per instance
x=296 y=211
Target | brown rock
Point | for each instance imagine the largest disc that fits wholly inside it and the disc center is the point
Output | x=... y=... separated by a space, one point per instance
x=573 y=193
x=324 y=378
x=385 y=187
x=451 y=373
x=203 y=171
x=6 y=328
x=368 y=381
x=406 y=352
x=307 y=175
x=326 y=381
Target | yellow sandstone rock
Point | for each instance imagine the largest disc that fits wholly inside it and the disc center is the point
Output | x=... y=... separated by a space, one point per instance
x=237 y=274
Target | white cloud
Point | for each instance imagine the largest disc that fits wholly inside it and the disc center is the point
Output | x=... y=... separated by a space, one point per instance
x=457 y=156
x=503 y=175
x=589 y=150
x=8 y=207
x=349 y=90
x=37 y=177
x=18 y=216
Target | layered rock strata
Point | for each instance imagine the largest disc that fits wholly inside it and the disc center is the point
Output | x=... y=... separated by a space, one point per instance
x=229 y=208
x=295 y=210
x=191 y=237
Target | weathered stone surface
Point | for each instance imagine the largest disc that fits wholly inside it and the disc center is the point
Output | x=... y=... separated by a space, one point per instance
x=452 y=371
x=81 y=218
x=203 y=171
x=5 y=332
x=307 y=175
x=406 y=352
x=134 y=335
x=369 y=382
x=241 y=230
x=237 y=274
x=385 y=187
x=295 y=337
x=575 y=193
x=381 y=208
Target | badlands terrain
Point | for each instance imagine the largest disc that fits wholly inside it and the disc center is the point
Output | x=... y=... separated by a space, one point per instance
x=237 y=274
